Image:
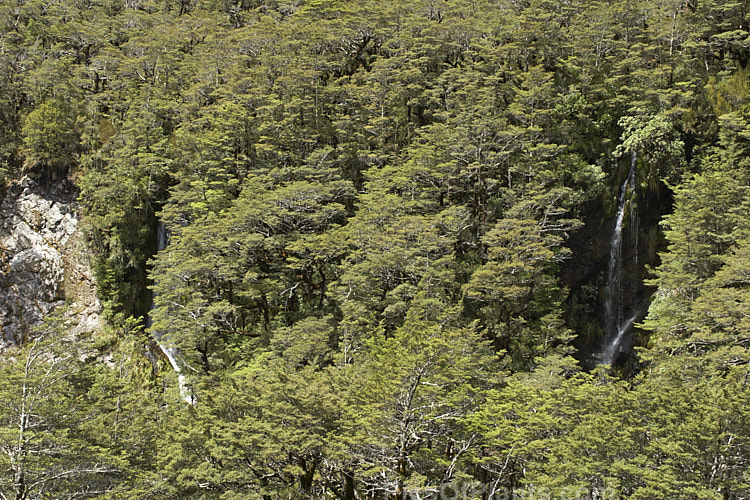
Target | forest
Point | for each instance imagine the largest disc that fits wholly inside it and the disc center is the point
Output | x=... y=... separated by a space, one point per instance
x=427 y=249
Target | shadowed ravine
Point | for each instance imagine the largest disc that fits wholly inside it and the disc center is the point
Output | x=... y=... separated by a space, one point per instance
x=171 y=352
x=616 y=326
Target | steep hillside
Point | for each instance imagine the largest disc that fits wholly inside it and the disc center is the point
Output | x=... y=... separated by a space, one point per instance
x=44 y=261
x=388 y=250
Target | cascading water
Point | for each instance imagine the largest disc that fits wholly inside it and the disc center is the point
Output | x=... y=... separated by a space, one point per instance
x=615 y=323
x=171 y=353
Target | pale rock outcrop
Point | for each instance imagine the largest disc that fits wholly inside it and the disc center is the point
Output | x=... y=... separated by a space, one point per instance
x=42 y=261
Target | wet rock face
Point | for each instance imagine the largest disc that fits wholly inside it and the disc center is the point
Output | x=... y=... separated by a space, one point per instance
x=42 y=262
x=585 y=274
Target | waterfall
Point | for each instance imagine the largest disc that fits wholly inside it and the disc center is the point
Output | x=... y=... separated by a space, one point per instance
x=615 y=324
x=170 y=352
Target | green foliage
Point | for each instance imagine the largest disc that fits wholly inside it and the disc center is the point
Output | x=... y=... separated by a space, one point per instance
x=368 y=208
x=516 y=292
x=656 y=139
x=46 y=447
x=49 y=136
x=700 y=298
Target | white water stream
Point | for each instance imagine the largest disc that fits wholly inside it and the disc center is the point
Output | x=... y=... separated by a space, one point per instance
x=615 y=324
x=171 y=352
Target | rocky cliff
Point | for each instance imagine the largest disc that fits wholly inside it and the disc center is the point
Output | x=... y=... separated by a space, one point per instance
x=43 y=264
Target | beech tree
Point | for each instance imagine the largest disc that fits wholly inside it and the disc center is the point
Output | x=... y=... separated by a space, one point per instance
x=369 y=207
x=46 y=450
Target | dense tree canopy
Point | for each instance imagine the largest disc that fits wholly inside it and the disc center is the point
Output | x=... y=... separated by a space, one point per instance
x=372 y=274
